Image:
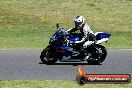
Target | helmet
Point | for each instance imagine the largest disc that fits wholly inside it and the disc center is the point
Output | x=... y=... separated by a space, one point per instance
x=79 y=21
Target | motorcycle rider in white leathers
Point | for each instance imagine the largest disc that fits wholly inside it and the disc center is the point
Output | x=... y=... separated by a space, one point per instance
x=85 y=31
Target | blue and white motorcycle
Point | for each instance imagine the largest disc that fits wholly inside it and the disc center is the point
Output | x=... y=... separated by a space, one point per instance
x=61 y=49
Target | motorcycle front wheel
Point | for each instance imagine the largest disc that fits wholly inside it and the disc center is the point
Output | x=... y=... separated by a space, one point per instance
x=48 y=57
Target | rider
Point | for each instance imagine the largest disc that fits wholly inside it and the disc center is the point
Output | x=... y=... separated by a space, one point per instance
x=85 y=31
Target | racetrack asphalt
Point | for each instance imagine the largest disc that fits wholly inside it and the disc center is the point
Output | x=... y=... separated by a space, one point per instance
x=26 y=65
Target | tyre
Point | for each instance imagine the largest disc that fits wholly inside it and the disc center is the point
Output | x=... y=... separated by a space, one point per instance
x=48 y=56
x=81 y=80
x=98 y=56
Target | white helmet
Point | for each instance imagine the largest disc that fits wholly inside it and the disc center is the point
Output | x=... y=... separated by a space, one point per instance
x=79 y=21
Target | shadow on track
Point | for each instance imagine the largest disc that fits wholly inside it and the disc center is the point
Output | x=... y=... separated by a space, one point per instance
x=71 y=63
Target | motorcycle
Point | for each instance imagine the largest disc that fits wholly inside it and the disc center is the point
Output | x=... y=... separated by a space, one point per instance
x=61 y=49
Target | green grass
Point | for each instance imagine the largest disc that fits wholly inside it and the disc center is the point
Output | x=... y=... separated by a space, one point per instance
x=56 y=84
x=30 y=23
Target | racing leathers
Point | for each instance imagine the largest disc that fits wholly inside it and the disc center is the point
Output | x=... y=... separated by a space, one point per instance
x=87 y=35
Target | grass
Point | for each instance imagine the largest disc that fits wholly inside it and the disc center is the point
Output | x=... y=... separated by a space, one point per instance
x=55 y=84
x=30 y=23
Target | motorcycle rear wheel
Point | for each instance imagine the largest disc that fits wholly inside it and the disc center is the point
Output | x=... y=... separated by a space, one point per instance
x=99 y=56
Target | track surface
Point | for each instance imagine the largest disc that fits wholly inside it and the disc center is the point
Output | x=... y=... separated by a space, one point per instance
x=26 y=65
